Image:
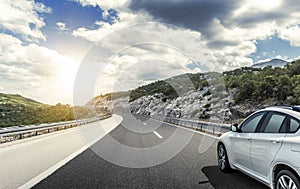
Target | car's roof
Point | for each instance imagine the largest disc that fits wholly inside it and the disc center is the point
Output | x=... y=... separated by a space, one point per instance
x=291 y=110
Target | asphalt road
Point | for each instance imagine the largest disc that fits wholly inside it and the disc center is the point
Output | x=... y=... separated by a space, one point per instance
x=25 y=162
x=130 y=156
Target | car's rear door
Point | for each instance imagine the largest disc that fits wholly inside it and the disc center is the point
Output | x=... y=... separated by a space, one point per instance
x=267 y=141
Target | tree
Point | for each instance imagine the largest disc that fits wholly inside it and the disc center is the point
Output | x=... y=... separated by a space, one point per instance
x=284 y=87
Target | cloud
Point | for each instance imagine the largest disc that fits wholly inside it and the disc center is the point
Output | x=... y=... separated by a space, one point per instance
x=62 y=26
x=229 y=24
x=28 y=67
x=191 y=14
x=124 y=19
x=22 y=17
x=105 y=5
x=291 y=34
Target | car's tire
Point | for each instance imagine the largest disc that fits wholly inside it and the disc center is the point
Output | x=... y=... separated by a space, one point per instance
x=223 y=162
x=286 y=179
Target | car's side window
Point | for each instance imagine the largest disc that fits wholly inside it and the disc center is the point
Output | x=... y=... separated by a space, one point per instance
x=294 y=125
x=274 y=122
x=249 y=126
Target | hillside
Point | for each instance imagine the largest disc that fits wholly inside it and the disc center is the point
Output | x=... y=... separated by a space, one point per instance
x=17 y=110
x=244 y=90
x=15 y=99
x=280 y=84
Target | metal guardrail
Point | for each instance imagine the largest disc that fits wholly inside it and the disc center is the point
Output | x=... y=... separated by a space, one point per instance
x=213 y=128
x=209 y=127
x=34 y=130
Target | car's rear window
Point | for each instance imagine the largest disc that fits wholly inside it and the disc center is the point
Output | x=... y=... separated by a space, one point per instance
x=294 y=125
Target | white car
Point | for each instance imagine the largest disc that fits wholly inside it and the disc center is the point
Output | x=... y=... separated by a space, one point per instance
x=266 y=146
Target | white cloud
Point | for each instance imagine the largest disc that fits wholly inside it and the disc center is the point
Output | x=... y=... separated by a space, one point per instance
x=291 y=34
x=104 y=28
x=105 y=4
x=21 y=17
x=256 y=6
x=28 y=68
x=264 y=60
x=62 y=26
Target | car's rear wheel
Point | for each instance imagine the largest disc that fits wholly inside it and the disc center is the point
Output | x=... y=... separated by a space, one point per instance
x=223 y=159
x=285 y=179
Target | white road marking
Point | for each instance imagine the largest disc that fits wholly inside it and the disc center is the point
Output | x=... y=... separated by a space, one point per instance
x=192 y=130
x=144 y=123
x=157 y=134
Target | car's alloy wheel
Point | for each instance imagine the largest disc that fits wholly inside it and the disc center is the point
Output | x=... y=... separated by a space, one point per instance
x=223 y=159
x=287 y=180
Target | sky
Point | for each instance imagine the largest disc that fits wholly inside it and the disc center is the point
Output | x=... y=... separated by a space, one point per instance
x=71 y=50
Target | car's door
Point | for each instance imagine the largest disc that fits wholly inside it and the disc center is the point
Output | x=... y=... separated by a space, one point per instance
x=267 y=141
x=241 y=141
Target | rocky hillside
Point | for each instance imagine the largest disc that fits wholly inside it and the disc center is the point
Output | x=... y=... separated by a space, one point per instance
x=228 y=96
x=191 y=96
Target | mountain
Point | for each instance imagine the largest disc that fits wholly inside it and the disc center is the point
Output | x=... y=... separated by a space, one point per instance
x=274 y=63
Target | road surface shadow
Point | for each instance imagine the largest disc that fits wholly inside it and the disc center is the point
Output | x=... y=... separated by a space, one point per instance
x=236 y=179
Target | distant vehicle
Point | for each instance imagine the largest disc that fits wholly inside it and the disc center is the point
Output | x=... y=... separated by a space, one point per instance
x=266 y=146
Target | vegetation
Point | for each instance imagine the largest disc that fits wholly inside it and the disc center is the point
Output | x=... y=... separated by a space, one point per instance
x=171 y=87
x=17 y=110
x=280 y=84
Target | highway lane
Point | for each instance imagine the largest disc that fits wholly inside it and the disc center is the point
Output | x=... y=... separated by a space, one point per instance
x=102 y=165
x=30 y=160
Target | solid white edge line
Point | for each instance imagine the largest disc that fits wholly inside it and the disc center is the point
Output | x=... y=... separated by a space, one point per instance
x=58 y=165
x=157 y=134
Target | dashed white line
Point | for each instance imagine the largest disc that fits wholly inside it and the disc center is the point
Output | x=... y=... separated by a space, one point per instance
x=144 y=123
x=157 y=134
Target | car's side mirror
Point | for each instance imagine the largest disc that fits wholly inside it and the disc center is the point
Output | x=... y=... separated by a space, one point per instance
x=234 y=128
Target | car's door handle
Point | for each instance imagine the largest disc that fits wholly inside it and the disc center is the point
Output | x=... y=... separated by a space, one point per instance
x=275 y=141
